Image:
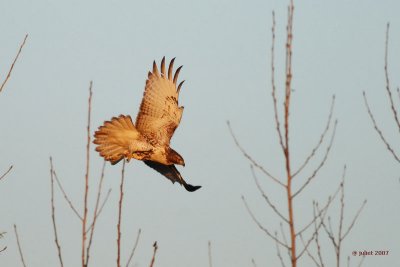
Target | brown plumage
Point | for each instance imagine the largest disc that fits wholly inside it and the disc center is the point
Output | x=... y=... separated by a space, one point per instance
x=149 y=138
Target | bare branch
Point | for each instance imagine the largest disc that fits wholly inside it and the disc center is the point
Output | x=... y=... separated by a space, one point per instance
x=254 y=263
x=320 y=211
x=261 y=227
x=53 y=214
x=4 y=175
x=321 y=140
x=121 y=196
x=277 y=122
x=309 y=241
x=154 y=254
x=209 y=254
x=309 y=253
x=322 y=163
x=286 y=150
x=317 y=236
x=251 y=159
x=361 y=261
x=86 y=194
x=66 y=196
x=378 y=130
x=19 y=246
x=99 y=190
x=273 y=207
x=1 y=236
x=134 y=248
x=278 y=251
x=284 y=238
x=388 y=90
x=100 y=209
x=12 y=65
x=354 y=220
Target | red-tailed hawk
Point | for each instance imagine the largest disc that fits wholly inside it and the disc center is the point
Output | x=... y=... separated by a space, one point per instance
x=148 y=139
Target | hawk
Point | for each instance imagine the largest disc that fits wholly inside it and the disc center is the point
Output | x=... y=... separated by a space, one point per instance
x=149 y=138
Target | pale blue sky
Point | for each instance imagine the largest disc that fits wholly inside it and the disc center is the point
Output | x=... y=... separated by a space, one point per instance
x=225 y=49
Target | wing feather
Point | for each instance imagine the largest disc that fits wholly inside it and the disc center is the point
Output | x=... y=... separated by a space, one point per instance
x=159 y=114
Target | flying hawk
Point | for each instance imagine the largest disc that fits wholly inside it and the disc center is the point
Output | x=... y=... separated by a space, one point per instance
x=149 y=138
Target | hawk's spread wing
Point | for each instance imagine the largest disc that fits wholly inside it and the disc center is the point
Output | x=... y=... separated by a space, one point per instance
x=171 y=173
x=159 y=113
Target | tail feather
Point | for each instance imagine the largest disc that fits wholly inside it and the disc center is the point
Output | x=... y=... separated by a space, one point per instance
x=171 y=173
x=115 y=137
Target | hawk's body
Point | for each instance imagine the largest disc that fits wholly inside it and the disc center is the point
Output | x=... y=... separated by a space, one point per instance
x=148 y=140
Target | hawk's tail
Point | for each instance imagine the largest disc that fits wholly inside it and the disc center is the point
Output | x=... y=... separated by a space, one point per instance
x=114 y=138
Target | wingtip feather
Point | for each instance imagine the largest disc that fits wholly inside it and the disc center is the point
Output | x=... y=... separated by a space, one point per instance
x=170 y=68
x=179 y=86
x=177 y=74
x=163 y=66
x=155 y=69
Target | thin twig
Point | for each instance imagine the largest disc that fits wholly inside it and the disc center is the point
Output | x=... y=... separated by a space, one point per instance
x=274 y=99
x=60 y=186
x=121 y=196
x=284 y=238
x=155 y=246
x=1 y=236
x=209 y=254
x=319 y=253
x=4 y=175
x=321 y=215
x=309 y=241
x=100 y=209
x=321 y=211
x=378 y=130
x=278 y=251
x=361 y=261
x=309 y=253
x=85 y=200
x=273 y=207
x=388 y=90
x=53 y=214
x=12 y=65
x=21 y=255
x=251 y=159
x=99 y=190
x=354 y=219
x=254 y=263
x=337 y=241
x=134 y=248
x=321 y=140
x=261 y=227
x=322 y=163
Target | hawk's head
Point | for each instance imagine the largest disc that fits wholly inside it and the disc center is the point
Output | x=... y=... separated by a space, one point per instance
x=174 y=158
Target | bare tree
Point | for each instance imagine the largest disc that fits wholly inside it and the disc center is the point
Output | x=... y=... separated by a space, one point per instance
x=290 y=231
x=392 y=102
x=88 y=224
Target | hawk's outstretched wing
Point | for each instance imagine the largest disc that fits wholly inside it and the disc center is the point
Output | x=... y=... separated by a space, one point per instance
x=159 y=114
x=171 y=173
